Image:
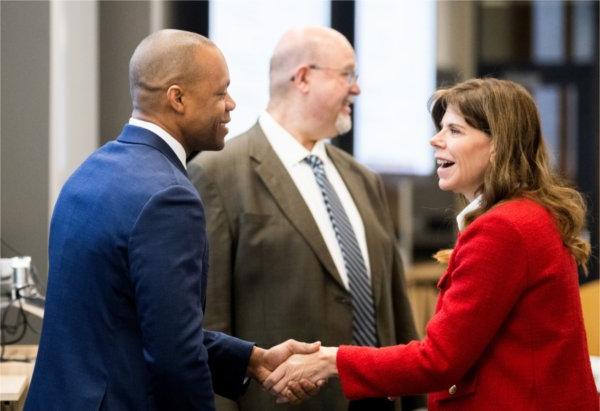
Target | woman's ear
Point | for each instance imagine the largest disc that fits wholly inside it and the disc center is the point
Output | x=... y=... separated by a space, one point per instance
x=492 y=152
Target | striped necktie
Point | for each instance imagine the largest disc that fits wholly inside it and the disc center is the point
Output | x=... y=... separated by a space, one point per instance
x=363 y=317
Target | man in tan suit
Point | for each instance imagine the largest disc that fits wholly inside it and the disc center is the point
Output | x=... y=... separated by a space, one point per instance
x=279 y=267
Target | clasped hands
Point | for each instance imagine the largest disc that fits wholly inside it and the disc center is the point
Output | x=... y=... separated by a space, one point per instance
x=293 y=371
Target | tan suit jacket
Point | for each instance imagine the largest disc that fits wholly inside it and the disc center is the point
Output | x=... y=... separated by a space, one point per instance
x=271 y=276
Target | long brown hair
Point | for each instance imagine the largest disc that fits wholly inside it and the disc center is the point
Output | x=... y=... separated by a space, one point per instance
x=507 y=113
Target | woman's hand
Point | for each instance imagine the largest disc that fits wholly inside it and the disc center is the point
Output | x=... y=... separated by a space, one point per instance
x=289 y=382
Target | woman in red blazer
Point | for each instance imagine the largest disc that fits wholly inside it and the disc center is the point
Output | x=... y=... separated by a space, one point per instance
x=508 y=330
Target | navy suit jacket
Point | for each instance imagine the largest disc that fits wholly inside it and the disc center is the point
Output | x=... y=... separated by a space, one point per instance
x=126 y=290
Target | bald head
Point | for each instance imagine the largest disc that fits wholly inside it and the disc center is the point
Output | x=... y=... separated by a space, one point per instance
x=302 y=45
x=163 y=58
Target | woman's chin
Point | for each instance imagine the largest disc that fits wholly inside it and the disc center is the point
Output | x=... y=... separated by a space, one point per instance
x=444 y=185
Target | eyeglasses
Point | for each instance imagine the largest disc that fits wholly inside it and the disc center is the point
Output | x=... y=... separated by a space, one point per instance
x=350 y=75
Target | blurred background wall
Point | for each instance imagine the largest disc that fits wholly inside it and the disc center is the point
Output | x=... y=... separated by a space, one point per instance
x=64 y=92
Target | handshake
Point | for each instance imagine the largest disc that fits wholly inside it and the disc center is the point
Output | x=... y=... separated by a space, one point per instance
x=293 y=371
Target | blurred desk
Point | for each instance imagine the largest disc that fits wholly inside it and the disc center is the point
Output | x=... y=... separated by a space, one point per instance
x=421 y=281
x=15 y=375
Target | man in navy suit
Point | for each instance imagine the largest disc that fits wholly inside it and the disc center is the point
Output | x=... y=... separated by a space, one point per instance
x=128 y=254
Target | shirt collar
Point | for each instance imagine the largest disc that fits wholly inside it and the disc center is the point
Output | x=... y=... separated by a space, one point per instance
x=288 y=149
x=162 y=133
x=473 y=205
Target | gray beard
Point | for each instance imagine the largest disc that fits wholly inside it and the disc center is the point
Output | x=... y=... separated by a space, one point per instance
x=343 y=123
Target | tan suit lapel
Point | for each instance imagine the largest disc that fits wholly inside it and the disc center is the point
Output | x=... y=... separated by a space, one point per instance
x=281 y=186
x=355 y=185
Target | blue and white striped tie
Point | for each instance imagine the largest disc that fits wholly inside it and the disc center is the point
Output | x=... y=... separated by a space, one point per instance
x=363 y=323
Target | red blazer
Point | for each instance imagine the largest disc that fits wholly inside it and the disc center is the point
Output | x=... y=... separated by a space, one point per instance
x=508 y=331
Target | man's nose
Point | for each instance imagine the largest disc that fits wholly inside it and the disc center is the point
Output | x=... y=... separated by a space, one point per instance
x=230 y=104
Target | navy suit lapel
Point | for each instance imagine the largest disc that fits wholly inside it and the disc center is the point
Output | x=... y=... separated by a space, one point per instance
x=138 y=135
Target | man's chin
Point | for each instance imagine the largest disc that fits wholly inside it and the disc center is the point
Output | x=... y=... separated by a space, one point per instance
x=343 y=124
x=217 y=143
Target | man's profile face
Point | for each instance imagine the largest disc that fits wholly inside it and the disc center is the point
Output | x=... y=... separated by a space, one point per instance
x=208 y=103
x=334 y=90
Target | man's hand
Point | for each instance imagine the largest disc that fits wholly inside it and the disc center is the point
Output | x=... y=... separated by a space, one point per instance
x=263 y=362
x=289 y=380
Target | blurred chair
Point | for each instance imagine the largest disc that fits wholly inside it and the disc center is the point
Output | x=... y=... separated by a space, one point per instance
x=421 y=281
x=590 y=301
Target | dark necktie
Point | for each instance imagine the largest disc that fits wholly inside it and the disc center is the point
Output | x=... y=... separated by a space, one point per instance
x=363 y=318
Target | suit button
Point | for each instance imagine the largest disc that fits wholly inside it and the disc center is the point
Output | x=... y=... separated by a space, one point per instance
x=452 y=390
x=343 y=300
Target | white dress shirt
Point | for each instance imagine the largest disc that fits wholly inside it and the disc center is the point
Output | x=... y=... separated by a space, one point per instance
x=162 y=133
x=292 y=155
x=472 y=206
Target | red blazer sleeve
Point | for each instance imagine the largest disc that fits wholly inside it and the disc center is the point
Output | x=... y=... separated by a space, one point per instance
x=486 y=275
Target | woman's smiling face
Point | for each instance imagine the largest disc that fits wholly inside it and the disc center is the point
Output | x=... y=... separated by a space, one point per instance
x=462 y=153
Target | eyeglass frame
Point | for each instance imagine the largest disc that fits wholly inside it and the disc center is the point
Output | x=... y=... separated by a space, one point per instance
x=350 y=75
